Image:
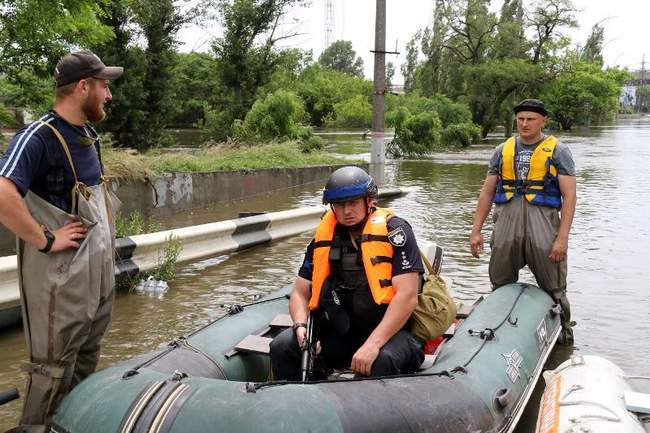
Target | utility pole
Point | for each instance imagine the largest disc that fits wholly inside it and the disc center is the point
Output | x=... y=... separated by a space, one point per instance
x=378 y=152
x=641 y=86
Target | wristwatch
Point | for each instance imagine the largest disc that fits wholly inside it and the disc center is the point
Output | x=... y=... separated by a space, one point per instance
x=50 y=241
x=298 y=325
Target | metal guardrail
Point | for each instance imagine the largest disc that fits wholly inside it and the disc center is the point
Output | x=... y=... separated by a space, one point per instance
x=142 y=253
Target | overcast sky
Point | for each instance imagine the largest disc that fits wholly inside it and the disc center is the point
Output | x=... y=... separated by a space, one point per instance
x=627 y=30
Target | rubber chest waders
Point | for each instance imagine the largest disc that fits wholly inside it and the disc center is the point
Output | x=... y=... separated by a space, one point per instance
x=66 y=297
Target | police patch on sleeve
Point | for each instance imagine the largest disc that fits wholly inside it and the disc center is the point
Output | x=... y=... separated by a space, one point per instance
x=397 y=237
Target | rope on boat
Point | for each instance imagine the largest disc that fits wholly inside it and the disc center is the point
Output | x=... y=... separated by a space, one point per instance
x=488 y=333
x=233 y=309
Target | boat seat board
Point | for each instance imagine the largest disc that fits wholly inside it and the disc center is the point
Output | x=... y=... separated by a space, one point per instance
x=450 y=331
x=254 y=344
x=281 y=321
x=464 y=310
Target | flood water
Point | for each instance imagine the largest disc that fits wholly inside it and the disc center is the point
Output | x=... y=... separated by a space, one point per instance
x=609 y=275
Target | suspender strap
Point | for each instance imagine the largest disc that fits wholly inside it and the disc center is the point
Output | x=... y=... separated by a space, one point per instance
x=66 y=150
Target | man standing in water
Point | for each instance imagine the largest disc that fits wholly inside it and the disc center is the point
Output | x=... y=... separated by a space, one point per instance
x=531 y=180
x=53 y=197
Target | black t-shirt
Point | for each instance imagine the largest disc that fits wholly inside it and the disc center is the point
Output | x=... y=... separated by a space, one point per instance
x=406 y=254
x=36 y=161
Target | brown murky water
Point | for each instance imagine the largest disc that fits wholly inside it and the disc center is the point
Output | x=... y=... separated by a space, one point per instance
x=609 y=278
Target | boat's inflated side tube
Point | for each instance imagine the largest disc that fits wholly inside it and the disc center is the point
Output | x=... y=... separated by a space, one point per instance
x=408 y=405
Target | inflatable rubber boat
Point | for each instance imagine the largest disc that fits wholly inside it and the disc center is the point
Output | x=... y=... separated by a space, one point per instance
x=589 y=394
x=217 y=379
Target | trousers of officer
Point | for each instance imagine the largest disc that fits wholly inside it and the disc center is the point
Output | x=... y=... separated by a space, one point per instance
x=402 y=354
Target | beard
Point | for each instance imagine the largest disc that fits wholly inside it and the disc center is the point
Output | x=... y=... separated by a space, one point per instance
x=93 y=107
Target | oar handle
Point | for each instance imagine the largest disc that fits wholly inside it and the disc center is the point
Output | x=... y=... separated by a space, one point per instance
x=9 y=395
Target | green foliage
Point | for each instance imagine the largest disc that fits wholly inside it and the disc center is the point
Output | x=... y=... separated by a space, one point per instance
x=355 y=112
x=448 y=111
x=418 y=135
x=460 y=134
x=341 y=57
x=308 y=142
x=321 y=89
x=583 y=94
x=490 y=86
x=217 y=123
x=396 y=118
x=134 y=224
x=22 y=89
x=278 y=116
x=593 y=49
x=165 y=269
x=34 y=34
x=194 y=88
x=143 y=99
x=276 y=155
x=246 y=52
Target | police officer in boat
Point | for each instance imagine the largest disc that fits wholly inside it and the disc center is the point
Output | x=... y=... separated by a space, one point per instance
x=360 y=275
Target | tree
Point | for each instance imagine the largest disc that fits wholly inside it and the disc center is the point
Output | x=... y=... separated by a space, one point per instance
x=510 y=40
x=547 y=20
x=390 y=73
x=491 y=84
x=159 y=21
x=471 y=28
x=321 y=89
x=593 y=50
x=409 y=67
x=34 y=34
x=583 y=93
x=127 y=111
x=245 y=54
x=143 y=104
x=195 y=88
x=341 y=57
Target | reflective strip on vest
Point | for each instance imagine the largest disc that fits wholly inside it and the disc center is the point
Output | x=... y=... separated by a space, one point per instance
x=375 y=273
x=541 y=186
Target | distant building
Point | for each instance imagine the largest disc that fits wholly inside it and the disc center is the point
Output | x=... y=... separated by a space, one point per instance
x=628 y=97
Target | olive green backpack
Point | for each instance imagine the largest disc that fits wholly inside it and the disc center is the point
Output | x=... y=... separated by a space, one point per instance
x=436 y=310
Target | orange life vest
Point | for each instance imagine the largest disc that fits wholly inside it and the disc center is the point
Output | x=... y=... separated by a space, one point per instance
x=376 y=252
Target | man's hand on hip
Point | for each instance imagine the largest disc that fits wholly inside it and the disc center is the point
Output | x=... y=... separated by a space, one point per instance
x=69 y=236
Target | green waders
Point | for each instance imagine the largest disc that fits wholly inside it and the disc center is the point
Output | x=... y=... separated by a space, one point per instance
x=523 y=235
x=66 y=297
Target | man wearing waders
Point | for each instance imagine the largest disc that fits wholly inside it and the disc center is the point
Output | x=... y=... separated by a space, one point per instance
x=53 y=196
x=531 y=180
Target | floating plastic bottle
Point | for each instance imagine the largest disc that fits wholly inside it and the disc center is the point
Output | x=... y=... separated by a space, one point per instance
x=151 y=285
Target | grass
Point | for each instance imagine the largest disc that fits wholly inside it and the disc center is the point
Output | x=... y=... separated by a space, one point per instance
x=128 y=164
x=134 y=224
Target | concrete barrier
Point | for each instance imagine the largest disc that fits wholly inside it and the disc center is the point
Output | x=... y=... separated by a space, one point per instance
x=143 y=253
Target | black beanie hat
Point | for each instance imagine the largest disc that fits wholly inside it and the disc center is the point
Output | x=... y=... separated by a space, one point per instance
x=534 y=105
